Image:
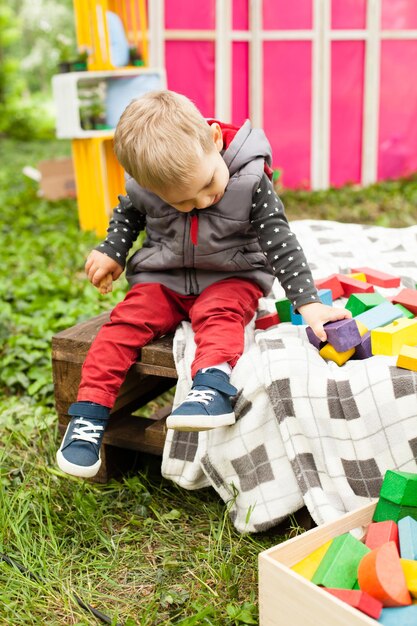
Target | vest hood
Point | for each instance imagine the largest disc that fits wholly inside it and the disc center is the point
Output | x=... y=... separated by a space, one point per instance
x=248 y=144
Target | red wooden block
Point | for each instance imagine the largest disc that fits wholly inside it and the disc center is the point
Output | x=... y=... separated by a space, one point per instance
x=331 y=282
x=359 y=600
x=351 y=285
x=266 y=321
x=381 y=279
x=380 y=533
x=380 y=574
x=408 y=298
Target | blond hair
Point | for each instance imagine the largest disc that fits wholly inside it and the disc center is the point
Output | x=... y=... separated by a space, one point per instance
x=159 y=139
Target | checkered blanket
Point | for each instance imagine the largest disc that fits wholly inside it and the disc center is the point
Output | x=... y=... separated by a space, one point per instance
x=307 y=431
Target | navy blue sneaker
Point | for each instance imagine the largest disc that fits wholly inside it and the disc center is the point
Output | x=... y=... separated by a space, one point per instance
x=207 y=405
x=79 y=453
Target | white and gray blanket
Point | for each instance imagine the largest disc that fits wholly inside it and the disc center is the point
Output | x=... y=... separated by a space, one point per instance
x=307 y=432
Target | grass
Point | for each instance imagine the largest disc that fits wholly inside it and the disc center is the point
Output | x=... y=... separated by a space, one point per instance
x=141 y=550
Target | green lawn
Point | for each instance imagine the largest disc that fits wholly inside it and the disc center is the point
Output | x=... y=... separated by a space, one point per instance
x=140 y=550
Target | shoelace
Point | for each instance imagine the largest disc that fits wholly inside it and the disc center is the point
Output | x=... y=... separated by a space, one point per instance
x=87 y=431
x=200 y=395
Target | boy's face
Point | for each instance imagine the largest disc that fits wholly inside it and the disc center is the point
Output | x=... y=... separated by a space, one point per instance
x=207 y=183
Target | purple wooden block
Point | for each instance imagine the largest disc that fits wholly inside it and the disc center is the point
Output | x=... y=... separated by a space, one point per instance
x=313 y=339
x=343 y=334
x=363 y=350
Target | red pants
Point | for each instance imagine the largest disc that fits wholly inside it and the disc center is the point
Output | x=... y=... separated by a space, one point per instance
x=218 y=317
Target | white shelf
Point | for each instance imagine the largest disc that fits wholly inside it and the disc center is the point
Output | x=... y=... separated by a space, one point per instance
x=121 y=86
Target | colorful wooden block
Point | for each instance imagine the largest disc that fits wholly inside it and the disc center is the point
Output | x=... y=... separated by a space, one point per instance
x=410 y=572
x=363 y=350
x=381 y=279
x=379 y=533
x=380 y=574
x=400 y=487
x=407 y=529
x=406 y=313
x=339 y=566
x=390 y=510
x=361 y=327
x=408 y=298
x=342 y=334
x=308 y=566
x=266 y=321
x=390 y=339
x=332 y=283
x=407 y=358
x=403 y=616
x=359 y=600
x=351 y=285
x=313 y=339
x=360 y=302
x=379 y=315
x=330 y=354
x=283 y=308
x=358 y=276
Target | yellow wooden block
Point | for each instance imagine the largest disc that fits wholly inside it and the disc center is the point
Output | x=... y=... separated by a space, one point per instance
x=389 y=339
x=359 y=276
x=407 y=358
x=307 y=566
x=361 y=327
x=329 y=353
x=410 y=573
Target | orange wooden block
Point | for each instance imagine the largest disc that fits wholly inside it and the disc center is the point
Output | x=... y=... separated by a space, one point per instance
x=380 y=574
x=380 y=533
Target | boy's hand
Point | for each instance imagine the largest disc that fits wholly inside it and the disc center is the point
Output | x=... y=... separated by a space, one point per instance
x=316 y=314
x=102 y=270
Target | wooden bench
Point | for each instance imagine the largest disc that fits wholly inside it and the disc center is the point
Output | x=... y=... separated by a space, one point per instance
x=153 y=374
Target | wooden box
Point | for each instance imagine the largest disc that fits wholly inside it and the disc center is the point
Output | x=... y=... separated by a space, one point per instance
x=286 y=598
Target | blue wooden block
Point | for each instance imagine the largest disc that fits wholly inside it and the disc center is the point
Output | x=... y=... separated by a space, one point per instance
x=399 y=616
x=407 y=529
x=379 y=315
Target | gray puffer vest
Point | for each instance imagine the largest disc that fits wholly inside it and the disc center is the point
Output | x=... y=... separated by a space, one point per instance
x=227 y=244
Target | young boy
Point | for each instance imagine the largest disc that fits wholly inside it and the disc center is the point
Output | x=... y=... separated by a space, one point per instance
x=217 y=236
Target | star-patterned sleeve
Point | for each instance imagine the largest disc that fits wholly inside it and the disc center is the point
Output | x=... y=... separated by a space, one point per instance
x=124 y=228
x=280 y=245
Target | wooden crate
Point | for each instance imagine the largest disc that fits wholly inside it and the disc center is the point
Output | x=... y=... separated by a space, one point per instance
x=153 y=374
x=286 y=598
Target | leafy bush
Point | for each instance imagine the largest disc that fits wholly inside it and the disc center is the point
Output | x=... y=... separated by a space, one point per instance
x=43 y=289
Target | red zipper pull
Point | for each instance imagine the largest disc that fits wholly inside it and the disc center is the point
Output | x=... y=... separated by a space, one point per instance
x=194 y=229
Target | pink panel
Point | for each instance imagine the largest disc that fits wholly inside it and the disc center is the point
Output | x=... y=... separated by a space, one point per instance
x=190 y=70
x=240 y=82
x=189 y=14
x=346 y=112
x=399 y=14
x=240 y=19
x=348 y=14
x=398 y=119
x=284 y=15
x=287 y=108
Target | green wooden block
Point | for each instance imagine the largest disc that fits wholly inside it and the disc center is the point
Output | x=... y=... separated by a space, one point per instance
x=283 y=308
x=361 y=302
x=390 y=510
x=400 y=487
x=356 y=585
x=406 y=313
x=339 y=566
